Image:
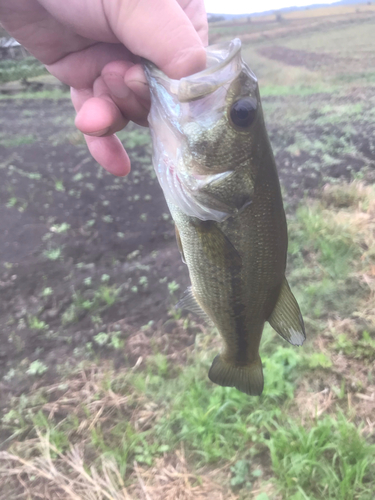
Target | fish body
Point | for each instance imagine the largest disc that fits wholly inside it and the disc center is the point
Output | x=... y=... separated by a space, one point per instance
x=215 y=164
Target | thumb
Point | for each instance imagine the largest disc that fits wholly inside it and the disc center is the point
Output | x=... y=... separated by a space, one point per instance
x=158 y=30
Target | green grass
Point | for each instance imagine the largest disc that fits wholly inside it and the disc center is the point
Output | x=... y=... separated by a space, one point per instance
x=42 y=95
x=14 y=142
x=166 y=406
x=330 y=460
x=11 y=70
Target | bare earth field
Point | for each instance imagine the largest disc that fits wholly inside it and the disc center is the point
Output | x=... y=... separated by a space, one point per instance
x=103 y=383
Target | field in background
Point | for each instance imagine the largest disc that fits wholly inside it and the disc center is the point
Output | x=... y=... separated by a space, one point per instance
x=104 y=391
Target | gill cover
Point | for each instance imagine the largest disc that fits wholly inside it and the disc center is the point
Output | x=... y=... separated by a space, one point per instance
x=174 y=104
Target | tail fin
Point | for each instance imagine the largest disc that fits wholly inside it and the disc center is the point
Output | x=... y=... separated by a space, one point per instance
x=247 y=379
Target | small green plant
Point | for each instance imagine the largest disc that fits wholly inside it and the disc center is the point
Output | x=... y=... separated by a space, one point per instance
x=59 y=186
x=46 y=292
x=240 y=474
x=12 y=202
x=60 y=228
x=173 y=287
x=53 y=253
x=318 y=360
x=37 y=368
x=101 y=338
x=36 y=324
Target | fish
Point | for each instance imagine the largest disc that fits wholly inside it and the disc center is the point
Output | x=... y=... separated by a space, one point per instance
x=214 y=161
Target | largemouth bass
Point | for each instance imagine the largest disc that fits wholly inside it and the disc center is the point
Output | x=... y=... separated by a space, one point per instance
x=214 y=161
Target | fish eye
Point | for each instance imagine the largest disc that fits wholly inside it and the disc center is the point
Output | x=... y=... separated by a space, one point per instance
x=243 y=112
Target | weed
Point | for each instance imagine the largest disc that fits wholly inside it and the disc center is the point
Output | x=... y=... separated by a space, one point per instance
x=36 y=324
x=173 y=287
x=331 y=460
x=52 y=253
x=101 y=338
x=102 y=298
x=362 y=348
x=37 y=368
x=12 y=202
x=60 y=228
x=241 y=473
x=46 y=292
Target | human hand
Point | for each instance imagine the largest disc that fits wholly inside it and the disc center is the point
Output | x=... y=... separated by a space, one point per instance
x=94 y=47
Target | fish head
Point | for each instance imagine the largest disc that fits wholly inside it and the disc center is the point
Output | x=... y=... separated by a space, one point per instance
x=205 y=128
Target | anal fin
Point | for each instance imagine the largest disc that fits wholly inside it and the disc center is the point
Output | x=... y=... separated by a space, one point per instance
x=190 y=303
x=247 y=379
x=286 y=318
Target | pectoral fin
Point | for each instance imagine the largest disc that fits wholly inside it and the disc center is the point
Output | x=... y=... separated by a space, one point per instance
x=179 y=244
x=286 y=317
x=228 y=192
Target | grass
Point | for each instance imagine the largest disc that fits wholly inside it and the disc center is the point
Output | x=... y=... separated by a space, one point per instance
x=330 y=460
x=134 y=420
x=295 y=441
x=11 y=70
x=138 y=418
x=55 y=94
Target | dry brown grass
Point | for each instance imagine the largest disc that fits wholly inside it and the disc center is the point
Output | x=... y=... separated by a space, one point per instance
x=35 y=468
x=49 y=474
x=350 y=207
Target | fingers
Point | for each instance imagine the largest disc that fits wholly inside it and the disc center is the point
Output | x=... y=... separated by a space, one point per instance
x=135 y=79
x=109 y=153
x=107 y=109
x=80 y=69
x=133 y=104
x=98 y=116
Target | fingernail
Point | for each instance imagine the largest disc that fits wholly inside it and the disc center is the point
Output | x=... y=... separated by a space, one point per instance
x=98 y=133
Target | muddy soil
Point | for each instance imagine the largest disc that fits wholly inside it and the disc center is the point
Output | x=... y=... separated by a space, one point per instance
x=84 y=253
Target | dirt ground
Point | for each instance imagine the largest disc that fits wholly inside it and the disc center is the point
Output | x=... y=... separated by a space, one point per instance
x=118 y=231
x=83 y=252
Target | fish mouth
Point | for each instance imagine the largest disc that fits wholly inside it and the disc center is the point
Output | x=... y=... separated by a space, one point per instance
x=176 y=104
x=224 y=63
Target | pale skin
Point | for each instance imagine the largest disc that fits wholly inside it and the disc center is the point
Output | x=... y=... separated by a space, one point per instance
x=94 y=46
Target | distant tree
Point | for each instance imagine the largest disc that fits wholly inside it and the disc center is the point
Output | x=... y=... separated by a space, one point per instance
x=279 y=17
x=249 y=19
x=214 y=18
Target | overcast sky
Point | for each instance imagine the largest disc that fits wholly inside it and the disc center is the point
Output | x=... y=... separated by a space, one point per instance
x=249 y=6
